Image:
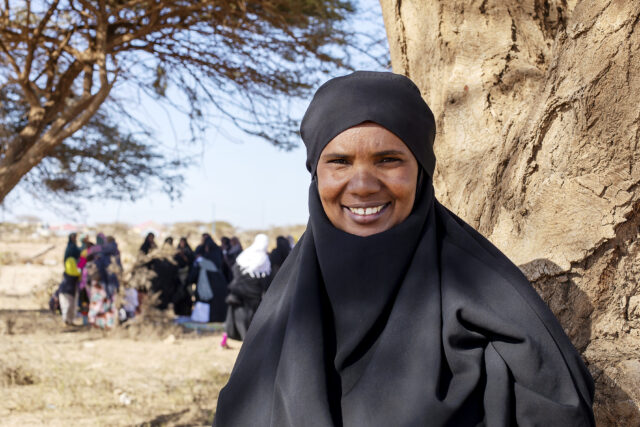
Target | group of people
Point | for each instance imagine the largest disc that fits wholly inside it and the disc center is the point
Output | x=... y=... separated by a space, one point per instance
x=213 y=283
x=91 y=281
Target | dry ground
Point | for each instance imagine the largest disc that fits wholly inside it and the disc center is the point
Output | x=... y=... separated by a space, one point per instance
x=146 y=373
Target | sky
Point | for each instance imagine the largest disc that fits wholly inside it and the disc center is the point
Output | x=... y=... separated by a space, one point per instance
x=237 y=178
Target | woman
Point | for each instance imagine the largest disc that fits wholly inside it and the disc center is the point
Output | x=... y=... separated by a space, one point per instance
x=279 y=254
x=391 y=311
x=251 y=274
x=211 y=283
x=109 y=265
x=184 y=255
x=149 y=244
x=83 y=288
x=68 y=290
x=235 y=248
x=103 y=274
x=165 y=281
x=102 y=311
x=184 y=259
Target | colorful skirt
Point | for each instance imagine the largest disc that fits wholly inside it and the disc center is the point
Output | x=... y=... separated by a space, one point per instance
x=102 y=310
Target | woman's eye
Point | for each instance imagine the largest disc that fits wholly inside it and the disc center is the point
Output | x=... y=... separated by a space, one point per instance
x=338 y=161
x=389 y=160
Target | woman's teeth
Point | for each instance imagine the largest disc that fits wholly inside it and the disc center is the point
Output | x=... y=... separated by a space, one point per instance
x=367 y=211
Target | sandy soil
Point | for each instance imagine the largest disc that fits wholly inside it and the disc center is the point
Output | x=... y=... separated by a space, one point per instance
x=145 y=373
x=148 y=372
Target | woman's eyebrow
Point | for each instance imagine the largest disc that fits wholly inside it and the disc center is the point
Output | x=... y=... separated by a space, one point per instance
x=389 y=153
x=335 y=156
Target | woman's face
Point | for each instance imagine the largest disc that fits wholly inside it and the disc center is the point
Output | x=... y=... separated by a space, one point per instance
x=367 y=180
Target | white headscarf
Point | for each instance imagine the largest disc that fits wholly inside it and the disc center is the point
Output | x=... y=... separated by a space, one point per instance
x=254 y=260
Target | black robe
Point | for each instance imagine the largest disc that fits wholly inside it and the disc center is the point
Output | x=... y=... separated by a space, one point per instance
x=218 y=283
x=165 y=282
x=425 y=324
x=182 y=303
x=279 y=254
x=245 y=294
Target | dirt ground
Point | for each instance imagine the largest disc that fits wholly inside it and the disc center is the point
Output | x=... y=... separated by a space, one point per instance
x=147 y=372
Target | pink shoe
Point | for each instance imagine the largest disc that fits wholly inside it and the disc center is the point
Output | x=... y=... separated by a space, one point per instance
x=223 y=343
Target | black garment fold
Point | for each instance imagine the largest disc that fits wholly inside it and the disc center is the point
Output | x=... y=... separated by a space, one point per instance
x=425 y=324
x=243 y=300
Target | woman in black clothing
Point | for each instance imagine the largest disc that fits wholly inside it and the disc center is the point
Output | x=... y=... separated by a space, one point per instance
x=235 y=248
x=209 y=249
x=184 y=259
x=279 y=254
x=390 y=310
x=149 y=244
x=208 y=275
x=184 y=255
x=251 y=277
x=165 y=282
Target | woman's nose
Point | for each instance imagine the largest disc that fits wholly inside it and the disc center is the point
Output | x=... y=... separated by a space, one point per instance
x=363 y=182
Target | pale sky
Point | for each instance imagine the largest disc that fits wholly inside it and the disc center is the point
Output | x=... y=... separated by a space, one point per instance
x=250 y=184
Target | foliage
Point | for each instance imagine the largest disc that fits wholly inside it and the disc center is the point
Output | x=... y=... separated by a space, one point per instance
x=72 y=72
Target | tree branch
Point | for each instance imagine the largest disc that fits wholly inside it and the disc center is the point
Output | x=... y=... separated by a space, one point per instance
x=33 y=41
x=16 y=69
x=5 y=13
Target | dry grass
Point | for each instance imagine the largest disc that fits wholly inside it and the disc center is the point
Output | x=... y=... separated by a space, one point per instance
x=148 y=372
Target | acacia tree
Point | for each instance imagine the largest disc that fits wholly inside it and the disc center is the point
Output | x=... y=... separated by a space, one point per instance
x=69 y=69
x=536 y=103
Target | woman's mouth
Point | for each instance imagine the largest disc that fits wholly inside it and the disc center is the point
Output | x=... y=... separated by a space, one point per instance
x=365 y=215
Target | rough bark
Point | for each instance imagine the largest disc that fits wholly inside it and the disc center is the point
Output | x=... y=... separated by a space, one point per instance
x=537 y=107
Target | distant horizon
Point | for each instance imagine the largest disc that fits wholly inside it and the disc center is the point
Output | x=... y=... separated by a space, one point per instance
x=20 y=219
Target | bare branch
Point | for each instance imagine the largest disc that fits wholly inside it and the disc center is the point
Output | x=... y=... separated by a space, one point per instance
x=77 y=117
x=27 y=26
x=33 y=41
x=89 y=6
x=13 y=62
x=6 y=10
x=202 y=57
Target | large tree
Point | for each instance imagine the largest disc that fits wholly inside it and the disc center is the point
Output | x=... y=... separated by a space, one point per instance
x=537 y=106
x=70 y=70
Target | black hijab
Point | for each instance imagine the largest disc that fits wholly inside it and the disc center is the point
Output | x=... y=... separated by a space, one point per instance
x=148 y=244
x=210 y=250
x=280 y=253
x=184 y=254
x=426 y=323
x=72 y=250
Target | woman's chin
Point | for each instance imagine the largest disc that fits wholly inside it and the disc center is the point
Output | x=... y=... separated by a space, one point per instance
x=366 y=229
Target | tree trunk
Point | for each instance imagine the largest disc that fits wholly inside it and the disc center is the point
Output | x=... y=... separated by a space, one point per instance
x=537 y=105
x=23 y=155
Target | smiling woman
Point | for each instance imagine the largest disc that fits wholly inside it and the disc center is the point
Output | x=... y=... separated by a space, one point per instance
x=367 y=180
x=391 y=311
